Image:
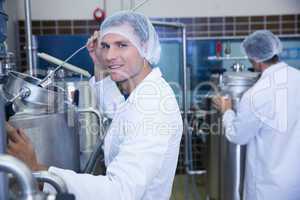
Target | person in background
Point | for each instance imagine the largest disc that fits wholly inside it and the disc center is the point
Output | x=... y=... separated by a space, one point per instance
x=267 y=120
x=141 y=146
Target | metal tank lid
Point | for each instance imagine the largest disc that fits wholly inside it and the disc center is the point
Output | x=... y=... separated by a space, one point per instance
x=240 y=78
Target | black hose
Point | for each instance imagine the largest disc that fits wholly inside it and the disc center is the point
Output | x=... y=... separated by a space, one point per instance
x=9 y=110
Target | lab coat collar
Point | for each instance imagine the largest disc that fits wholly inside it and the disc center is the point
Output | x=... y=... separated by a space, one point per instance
x=273 y=68
x=154 y=74
x=151 y=77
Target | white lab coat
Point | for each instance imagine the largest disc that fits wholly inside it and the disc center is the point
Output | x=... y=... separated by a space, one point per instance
x=141 y=147
x=268 y=121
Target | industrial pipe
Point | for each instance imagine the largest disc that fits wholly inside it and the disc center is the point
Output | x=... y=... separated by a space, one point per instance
x=29 y=48
x=54 y=180
x=23 y=174
x=188 y=163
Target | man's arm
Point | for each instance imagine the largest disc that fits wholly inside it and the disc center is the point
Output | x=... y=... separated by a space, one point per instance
x=242 y=126
x=139 y=160
x=20 y=146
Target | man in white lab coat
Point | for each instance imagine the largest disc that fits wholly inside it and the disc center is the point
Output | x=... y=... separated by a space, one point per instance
x=268 y=121
x=142 y=144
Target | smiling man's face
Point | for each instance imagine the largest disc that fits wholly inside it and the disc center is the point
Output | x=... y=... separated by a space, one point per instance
x=120 y=57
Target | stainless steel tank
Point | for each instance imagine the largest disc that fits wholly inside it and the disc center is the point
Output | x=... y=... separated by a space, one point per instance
x=227 y=160
x=3 y=177
x=90 y=126
x=47 y=118
x=54 y=136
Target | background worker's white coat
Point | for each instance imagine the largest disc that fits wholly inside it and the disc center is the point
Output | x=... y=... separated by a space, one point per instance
x=268 y=121
x=141 y=147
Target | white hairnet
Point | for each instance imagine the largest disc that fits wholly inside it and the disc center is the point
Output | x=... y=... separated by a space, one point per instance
x=261 y=45
x=138 y=29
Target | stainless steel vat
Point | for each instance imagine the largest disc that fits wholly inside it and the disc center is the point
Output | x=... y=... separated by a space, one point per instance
x=90 y=126
x=63 y=135
x=3 y=177
x=236 y=83
x=227 y=160
x=24 y=88
x=53 y=135
x=47 y=118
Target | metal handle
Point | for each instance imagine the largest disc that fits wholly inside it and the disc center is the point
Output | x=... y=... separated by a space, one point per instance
x=22 y=172
x=23 y=93
x=90 y=165
x=54 y=180
x=95 y=112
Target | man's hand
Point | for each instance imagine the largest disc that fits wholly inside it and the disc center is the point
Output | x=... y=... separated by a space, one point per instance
x=92 y=47
x=20 y=146
x=222 y=103
x=95 y=53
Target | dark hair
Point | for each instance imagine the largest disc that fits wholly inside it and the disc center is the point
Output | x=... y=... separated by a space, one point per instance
x=275 y=59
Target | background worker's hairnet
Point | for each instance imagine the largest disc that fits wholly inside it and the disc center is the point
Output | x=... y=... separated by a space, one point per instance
x=261 y=45
x=138 y=29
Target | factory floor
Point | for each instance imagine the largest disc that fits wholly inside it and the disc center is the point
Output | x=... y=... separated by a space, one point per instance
x=178 y=192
